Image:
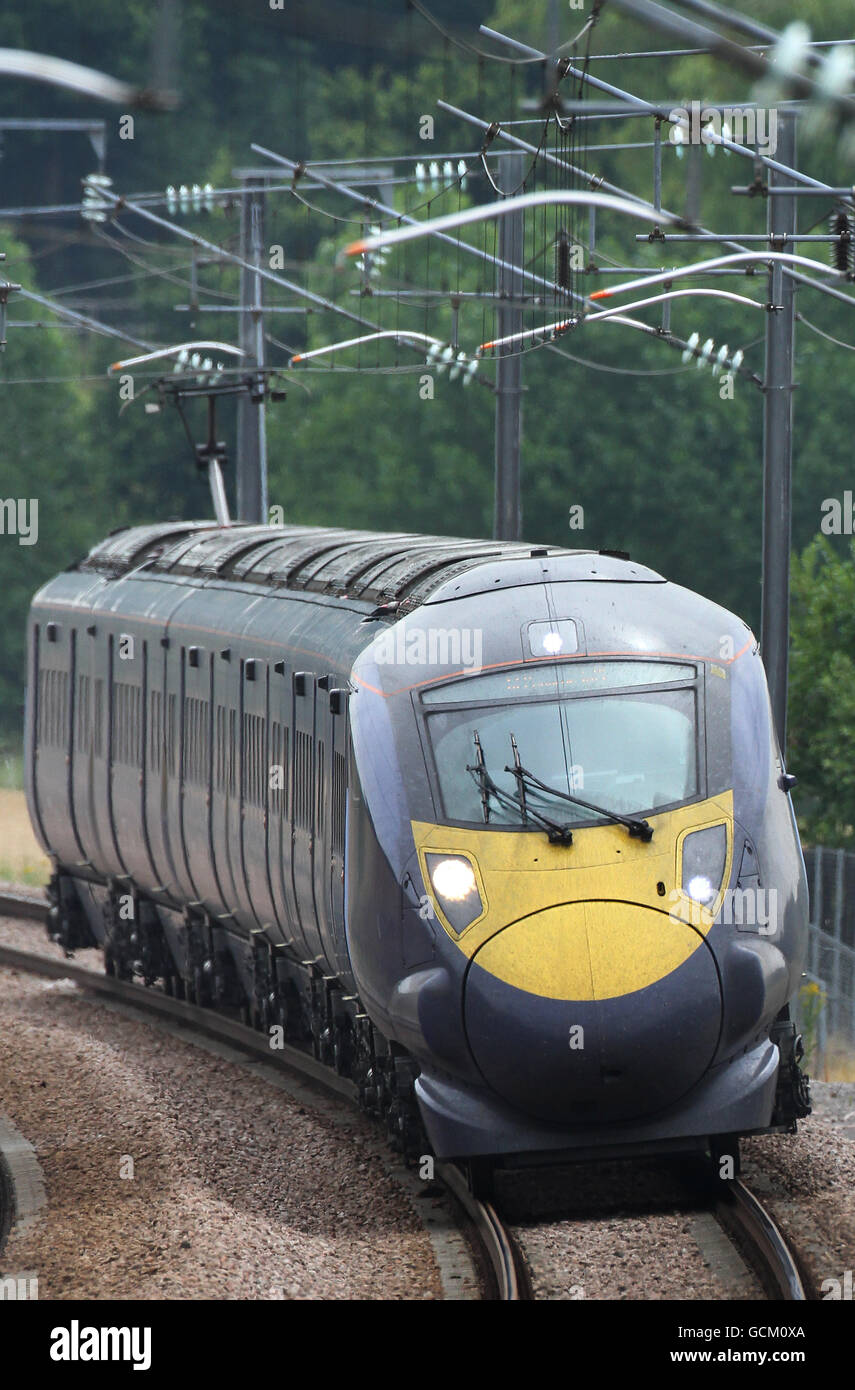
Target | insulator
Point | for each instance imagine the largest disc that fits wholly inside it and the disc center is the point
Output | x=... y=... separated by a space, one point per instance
x=171 y=200
x=462 y=359
x=196 y=194
x=208 y=197
x=791 y=52
x=708 y=138
x=470 y=371
x=433 y=169
x=180 y=361
x=562 y=259
x=689 y=349
x=448 y=171
x=446 y=356
x=95 y=208
x=720 y=359
x=462 y=172
x=184 y=198
x=840 y=226
x=195 y=361
x=726 y=134
x=432 y=353
x=421 y=174
x=678 y=138
x=736 y=360
x=706 y=353
x=834 y=77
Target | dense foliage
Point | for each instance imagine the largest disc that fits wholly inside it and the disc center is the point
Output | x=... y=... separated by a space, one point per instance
x=661 y=464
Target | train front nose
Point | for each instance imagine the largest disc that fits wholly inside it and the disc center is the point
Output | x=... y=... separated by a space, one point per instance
x=592 y=1011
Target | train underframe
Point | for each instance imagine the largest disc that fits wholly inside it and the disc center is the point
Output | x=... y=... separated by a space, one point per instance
x=195 y=957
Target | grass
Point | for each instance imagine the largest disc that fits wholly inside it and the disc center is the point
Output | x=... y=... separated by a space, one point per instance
x=839 y=1060
x=11 y=768
x=21 y=857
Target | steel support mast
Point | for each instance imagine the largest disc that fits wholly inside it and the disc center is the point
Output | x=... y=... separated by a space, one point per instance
x=507 y=514
x=251 y=424
x=778 y=437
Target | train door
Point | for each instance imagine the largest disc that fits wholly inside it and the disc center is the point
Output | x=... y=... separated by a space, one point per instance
x=304 y=801
x=127 y=764
x=255 y=788
x=176 y=695
x=87 y=749
x=197 y=751
x=53 y=685
x=278 y=815
x=339 y=755
x=225 y=800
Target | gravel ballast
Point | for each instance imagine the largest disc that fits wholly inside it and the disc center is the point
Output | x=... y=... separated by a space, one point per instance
x=242 y=1191
x=237 y=1190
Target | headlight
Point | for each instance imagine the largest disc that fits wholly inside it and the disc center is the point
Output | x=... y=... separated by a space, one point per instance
x=455 y=888
x=704 y=858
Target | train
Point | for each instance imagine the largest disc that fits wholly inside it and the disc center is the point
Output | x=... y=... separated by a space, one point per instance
x=501 y=832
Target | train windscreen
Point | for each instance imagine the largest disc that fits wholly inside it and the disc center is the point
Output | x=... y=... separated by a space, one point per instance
x=630 y=753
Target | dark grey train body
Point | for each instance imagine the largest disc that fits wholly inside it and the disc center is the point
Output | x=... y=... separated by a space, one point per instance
x=270 y=767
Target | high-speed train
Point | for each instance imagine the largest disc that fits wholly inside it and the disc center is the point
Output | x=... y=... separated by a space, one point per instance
x=502 y=832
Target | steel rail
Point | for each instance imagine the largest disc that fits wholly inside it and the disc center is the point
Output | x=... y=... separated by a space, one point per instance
x=739 y=1211
x=492 y=1232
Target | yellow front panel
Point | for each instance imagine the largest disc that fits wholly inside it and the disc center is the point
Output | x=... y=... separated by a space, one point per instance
x=596 y=919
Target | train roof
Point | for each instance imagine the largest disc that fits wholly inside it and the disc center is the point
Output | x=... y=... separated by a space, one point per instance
x=401 y=570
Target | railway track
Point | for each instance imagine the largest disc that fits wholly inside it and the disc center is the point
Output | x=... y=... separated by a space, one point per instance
x=765 y=1246
x=501 y=1258
x=744 y=1218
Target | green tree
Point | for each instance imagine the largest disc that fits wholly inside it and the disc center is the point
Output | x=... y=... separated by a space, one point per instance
x=822 y=691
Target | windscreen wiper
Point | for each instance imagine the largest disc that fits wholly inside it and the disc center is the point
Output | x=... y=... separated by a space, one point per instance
x=557 y=834
x=638 y=828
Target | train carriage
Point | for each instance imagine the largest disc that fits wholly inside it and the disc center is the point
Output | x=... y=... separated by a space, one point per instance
x=503 y=832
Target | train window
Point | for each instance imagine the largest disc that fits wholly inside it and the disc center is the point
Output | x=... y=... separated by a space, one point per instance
x=155 y=731
x=558 y=678
x=53 y=707
x=279 y=734
x=90 y=707
x=629 y=753
x=169 y=744
x=319 y=787
x=224 y=747
x=339 y=801
x=304 y=779
x=127 y=725
x=98 y=718
x=84 y=715
x=196 y=741
x=253 y=758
